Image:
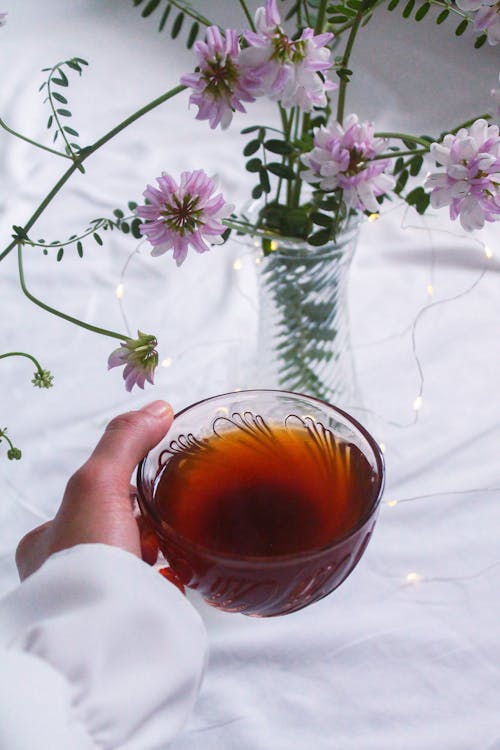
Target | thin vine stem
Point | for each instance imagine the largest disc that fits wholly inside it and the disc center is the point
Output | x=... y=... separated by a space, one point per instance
x=24 y=354
x=345 y=63
x=396 y=154
x=29 y=140
x=58 y=313
x=404 y=137
x=247 y=14
x=85 y=153
x=320 y=19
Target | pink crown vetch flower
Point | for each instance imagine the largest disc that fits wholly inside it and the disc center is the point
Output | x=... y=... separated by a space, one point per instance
x=221 y=85
x=178 y=216
x=289 y=71
x=139 y=357
x=485 y=16
x=343 y=157
x=470 y=184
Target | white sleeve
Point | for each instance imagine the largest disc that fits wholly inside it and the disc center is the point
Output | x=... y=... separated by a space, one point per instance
x=97 y=651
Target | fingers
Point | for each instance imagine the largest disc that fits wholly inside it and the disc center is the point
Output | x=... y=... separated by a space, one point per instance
x=32 y=550
x=130 y=436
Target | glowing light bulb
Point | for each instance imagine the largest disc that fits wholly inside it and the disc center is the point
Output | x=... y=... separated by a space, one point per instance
x=488 y=252
x=382 y=447
x=258 y=260
x=119 y=290
x=430 y=290
x=273 y=245
x=391 y=503
x=414 y=577
x=166 y=362
x=373 y=217
x=417 y=404
x=237 y=265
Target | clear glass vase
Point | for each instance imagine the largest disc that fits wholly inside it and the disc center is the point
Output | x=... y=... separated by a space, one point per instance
x=303 y=337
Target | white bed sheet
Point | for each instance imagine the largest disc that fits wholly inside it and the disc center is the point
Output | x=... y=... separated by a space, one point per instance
x=382 y=663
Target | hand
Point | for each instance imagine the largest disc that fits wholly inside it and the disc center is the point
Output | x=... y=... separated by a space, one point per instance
x=97 y=506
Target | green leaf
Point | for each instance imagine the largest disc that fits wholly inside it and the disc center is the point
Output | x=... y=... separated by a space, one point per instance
x=320 y=238
x=408 y=9
x=59 y=97
x=443 y=16
x=480 y=41
x=251 y=129
x=63 y=112
x=418 y=198
x=71 y=131
x=462 y=26
x=97 y=238
x=132 y=205
x=393 y=4
x=416 y=165
x=50 y=121
x=398 y=165
x=177 y=25
x=264 y=181
x=323 y=220
x=338 y=19
x=193 y=34
x=150 y=8
x=63 y=78
x=60 y=254
x=402 y=180
x=164 y=17
x=118 y=213
x=422 y=11
x=253 y=165
x=135 y=228
x=74 y=65
x=79 y=249
x=281 y=170
x=257 y=192
x=278 y=147
x=251 y=147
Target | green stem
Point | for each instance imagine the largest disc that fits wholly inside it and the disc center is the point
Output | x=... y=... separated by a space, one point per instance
x=33 y=143
x=345 y=63
x=395 y=154
x=85 y=153
x=468 y=123
x=24 y=354
x=404 y=137
x=69 y=318
x=320 y=19
x=247 y=13
x=4 y=436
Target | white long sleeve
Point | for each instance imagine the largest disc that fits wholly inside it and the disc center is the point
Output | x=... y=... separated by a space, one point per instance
x=97 y=651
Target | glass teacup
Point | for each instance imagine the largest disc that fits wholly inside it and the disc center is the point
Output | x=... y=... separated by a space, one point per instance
x=263 y=501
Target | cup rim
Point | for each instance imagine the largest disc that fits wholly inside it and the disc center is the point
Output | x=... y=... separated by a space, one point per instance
x=292 y=557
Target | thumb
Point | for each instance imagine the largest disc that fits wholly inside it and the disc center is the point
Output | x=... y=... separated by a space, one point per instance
x=129 y=437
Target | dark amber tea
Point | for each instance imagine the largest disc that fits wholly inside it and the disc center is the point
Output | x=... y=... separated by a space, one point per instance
x=262 y=495
x=263 y=501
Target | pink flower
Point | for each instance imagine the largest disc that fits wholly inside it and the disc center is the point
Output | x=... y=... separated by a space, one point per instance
x=470 y=184
x=485 y=15
x=139 y=357
x=342 y=157
x=289 y=71
x=181 y=215
x=220 y=86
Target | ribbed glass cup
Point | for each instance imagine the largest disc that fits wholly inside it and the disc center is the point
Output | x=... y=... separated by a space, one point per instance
x=264 y=585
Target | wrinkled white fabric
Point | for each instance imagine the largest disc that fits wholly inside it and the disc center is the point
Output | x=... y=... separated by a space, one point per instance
x=381 y=664
x=97 y=652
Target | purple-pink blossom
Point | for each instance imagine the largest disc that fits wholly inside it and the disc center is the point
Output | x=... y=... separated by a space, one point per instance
x=485 y=15
x=221 y=85
x=178 y=216
x=291 y=71
x=470 y=184
x=139 y=358
x=344 y=157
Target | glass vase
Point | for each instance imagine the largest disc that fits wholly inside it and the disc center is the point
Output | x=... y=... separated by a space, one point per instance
x=303 y=335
